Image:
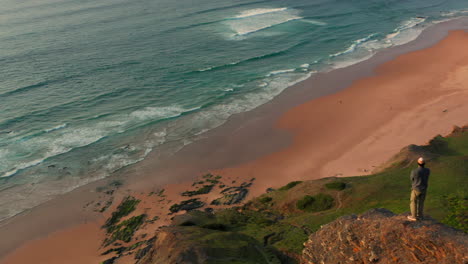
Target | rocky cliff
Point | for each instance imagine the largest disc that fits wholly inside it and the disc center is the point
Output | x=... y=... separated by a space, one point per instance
x=379 y=236
x=273 y=227
x=195 y=245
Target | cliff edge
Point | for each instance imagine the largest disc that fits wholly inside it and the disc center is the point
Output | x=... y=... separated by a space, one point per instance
x=380 y=236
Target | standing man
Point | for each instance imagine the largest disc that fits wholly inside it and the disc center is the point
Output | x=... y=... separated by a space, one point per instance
x=419 y=178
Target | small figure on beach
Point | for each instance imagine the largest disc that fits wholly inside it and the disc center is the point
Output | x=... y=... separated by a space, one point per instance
x=419 y=178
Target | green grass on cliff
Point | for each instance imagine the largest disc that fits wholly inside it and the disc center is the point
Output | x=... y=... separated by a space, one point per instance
x=316 y=203
x=274 y=220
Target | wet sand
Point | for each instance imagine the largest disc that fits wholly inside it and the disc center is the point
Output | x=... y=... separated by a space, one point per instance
x=317 y=128
x=409 y=100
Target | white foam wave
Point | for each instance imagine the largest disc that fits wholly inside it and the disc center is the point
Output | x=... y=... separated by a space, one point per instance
x=213 y=67
x=35 y=150
x=255 y=28
x=455 y=13
x=270 y=88
x=259 y=11
x=354 y=45
x=182 y=131
x=254 y=20
x=159 y=112
x=407 y=31
x=205 y=69
x=41 y=148
x=280 y=72
x=364 y=48
x=314 y=22
x=351 y=61
x=21 y=166
x=115 y=162
x=55 y=128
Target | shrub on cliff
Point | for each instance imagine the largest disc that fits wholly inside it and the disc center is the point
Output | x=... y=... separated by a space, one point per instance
x=316 y=203
x=289 y=185
x=458 y=212
x=336 y=186
x=265 y=199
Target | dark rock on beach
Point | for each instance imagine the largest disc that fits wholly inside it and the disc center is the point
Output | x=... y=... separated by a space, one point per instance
x=187 y=205
x=233 y=195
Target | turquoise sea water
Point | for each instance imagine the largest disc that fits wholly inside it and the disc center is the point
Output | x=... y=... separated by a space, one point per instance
x=88 y=87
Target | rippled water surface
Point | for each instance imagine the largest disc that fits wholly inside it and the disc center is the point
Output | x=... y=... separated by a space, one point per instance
x=88 y=87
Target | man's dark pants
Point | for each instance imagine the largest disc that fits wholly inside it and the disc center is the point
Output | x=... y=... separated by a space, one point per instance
x=417 y=203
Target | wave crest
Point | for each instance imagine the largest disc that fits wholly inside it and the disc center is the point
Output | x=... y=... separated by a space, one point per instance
x=259 y=11
x=254 y=20
x=35 y=150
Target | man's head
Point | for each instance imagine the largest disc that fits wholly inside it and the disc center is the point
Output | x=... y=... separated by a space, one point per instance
x=421 y=161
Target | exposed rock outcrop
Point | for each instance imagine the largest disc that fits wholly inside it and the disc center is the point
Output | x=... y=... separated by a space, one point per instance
x=379 y=236
x=192 y=245
x=233 y=195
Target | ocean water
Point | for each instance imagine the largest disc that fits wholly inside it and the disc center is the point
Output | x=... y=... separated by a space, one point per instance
x=89 y=87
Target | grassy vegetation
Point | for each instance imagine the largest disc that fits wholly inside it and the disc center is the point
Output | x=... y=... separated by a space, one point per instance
x=226 y=246
x=276 y=221
x=265 y=199
x=339 y=185
x=458 y=212
x=289 y=185
x=316 y=203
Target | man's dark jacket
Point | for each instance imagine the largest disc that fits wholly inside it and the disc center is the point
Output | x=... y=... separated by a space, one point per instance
x=419 y=178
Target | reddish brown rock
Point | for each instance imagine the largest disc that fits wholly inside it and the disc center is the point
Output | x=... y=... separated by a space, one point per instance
x=379 y=236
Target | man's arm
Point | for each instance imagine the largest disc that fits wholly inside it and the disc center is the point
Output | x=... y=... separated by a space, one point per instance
x=413 y=176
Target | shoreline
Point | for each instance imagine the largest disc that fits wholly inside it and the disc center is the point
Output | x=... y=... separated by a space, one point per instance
x=228 y=154
x=355 y=131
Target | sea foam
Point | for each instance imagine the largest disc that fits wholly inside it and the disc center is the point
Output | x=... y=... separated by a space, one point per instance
x=407 y=31
x=354 y=45
x=259 y=11
x=255 y=20
x=364 y=48
x=55 y=128
x=280 y=72
x=65 y=138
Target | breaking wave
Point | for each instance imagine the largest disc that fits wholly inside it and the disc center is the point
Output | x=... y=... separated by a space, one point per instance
x=63 y=138
x=255 y=20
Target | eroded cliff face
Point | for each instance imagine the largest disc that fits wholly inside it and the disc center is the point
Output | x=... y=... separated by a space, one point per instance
x=195 y=245
x=379 y=236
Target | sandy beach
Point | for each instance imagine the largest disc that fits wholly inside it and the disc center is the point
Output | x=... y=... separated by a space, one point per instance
x=408 y=101
x=347 y=122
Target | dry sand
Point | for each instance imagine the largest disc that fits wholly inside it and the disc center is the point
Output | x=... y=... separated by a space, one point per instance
x=76 y=245
x=408 y=100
